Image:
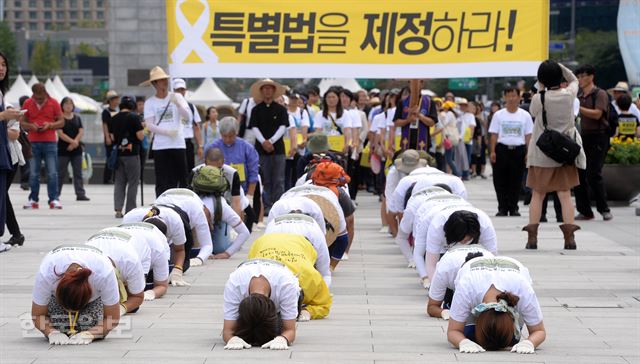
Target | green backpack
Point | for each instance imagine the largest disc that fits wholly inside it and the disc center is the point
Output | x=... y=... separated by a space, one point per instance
x=210 y=180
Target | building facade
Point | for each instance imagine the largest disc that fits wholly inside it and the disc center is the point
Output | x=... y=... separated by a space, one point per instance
x=55 y=15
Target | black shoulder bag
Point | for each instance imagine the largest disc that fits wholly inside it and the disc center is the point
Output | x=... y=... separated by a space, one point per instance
x=150 y=154
x=555 y=145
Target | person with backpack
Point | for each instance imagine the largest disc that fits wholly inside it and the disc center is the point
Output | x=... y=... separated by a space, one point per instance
x=596 y=118
x=211 y=184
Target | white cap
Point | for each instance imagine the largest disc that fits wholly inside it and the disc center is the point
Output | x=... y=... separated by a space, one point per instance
x=179 y=83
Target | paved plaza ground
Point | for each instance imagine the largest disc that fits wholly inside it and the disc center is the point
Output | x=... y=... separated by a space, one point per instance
x=590 y=297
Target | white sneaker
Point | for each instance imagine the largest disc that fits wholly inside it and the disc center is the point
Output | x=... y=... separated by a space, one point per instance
x=261 y=225
x=384 y=230
x=55 y=204
x=345 y=256
x=411 y=264
x=4 y=247
x=31 y=205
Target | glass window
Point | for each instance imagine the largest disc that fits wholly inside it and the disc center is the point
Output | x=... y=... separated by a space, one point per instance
x=47 y=15
x=73 y=3
x=32 y=3
x=33 y=15
x=86 y=4
x=59 y=15
x=33 y=26
x=60 y=3
x=17 y=15
x=48 y=26
x=17 y=4
x=100 y=15
x=99 y=3
x=86 y=15
x=73 y=14
x=19 y=25
x=47 y=3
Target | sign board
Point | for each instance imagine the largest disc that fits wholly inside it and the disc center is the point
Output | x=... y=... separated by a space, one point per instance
x=463 y=83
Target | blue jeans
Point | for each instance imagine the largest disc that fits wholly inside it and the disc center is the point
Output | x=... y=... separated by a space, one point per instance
x=448 y=157
x=47 y=151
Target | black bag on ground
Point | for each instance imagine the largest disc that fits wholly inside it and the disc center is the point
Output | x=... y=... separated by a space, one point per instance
x=555 y=145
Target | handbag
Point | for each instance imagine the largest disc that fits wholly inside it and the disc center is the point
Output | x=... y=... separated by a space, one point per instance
x=555 y=145
x=151 y=154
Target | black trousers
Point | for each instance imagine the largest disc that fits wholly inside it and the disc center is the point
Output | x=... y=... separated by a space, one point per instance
x=12 y=222
x=354 y=171
x=191 y=154
x=595 y=148
x=170 y=166
x=507 y=175
x=107 y=177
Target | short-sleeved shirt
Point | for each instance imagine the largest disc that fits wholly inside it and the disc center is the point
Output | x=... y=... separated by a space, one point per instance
x=414 y=203
x=124 y=126
x=267 y=119
x=107 y=114
x=512 y=128
x=285 y=289
x=455 y=183
x=331 y=124
x=188 y=124
x=506 y=275
x=71 y=129
x=298 y=203
x=153 y=109
x=152 y=238
x=627 y=126
x=175 y=226
x=117 y=246
x=436 y=241
x=447 y=269
x=326 y=193
x=48 y=112
x=405 y=183
x=102 y=280
x=596 y=99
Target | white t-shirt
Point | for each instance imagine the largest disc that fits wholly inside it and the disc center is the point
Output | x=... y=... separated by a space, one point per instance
x=447 y=269
x=139 y=244
x=354 y=114
x=511 y=127
x=326 y=125
x=405 y=183
x=436 y=241
x=305 y=205
x=118 y=246
x=467 y=121
x=149 y=236
x=393 y=178
x=153 y=108
x=414 y=203
x=230 y=218
x=187 y=124
x=378 y=123
x=306 y=226
x=189 y=201
x=175 y=227
x=103 y=280
x=307 y=189
x=285 y=288
x=505 y=274
x=455 y=183
x=300 y=118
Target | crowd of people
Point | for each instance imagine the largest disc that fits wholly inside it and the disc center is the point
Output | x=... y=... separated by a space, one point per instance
x=299 y=159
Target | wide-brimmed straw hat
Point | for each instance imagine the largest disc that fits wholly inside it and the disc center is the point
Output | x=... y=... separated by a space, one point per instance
x=257 y=86
x=111 y=94
x=409 y=161
x=156 y=73
x=620 y=87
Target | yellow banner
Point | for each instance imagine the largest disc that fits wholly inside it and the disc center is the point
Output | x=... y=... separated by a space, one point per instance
x=223 y=38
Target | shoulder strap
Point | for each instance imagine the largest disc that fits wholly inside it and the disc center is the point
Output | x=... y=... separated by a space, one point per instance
x=163 y=112
x=544 y=111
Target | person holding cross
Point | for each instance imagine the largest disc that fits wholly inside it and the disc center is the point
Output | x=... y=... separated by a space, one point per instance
x=414 y=115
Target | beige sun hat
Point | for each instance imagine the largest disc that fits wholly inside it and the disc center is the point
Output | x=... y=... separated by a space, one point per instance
x=111 y=94
x=156 y=73
x=257 y=86
x=620 y=87
x=409 y=161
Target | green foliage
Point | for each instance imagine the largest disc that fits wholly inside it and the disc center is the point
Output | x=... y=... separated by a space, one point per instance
x=45 y=58
x=9 y=46
x=623 y=153
x=86 y=49
x=601 y=49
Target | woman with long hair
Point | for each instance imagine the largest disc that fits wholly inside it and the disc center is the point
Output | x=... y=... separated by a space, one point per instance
x=332 y=120
x=210 y=128
x=70 y=149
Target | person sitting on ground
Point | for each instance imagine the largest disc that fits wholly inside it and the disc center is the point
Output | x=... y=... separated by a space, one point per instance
x=497 y=294
x=443 y=283
x=206 y=184
x=149 y=237
x=301 y=224
x=119 y=248
x=75 y=296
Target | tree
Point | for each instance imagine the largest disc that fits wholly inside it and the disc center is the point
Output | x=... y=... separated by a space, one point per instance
x=9 y=46
x=45 y=59
x=601 y=50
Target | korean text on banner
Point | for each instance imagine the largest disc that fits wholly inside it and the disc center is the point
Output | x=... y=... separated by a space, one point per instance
x=465 y=38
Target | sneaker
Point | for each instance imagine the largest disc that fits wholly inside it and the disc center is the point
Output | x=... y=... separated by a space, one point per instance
x=384 y=229
x=4 y=247
x=55 y=204
x=345 y=256
x=483 y=176
x=25 y=186
x=31 y=205
x=16 y=240
x=514 y=213
x=119 y=215
x=581 y=217
x=606 y=216
x=261 y=225
x=83 y=198
x=501 y=214
x=411 y=264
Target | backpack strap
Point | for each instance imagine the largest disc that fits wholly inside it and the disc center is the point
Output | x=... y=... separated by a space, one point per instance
x=544 y=111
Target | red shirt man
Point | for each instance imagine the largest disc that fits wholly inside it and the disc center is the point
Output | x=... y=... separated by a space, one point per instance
x=43 y=115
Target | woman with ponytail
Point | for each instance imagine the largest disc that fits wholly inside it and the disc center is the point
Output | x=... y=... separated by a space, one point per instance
x=75 y=296
x=494 y=297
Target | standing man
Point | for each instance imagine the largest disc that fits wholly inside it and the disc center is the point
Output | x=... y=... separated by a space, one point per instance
x=269 y=121
x=510 y=132
x=191 y=127
x=415 y=121
x=112 y=109
x=162 y=113
x=594 y=107
x=42 y=117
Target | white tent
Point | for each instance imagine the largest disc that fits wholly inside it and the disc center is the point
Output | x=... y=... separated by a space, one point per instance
x=17 y=90
x=33 y=80
x=349 y=83
x=53 y=91
x=62 y=89
x=85 y=103
x=208 y=94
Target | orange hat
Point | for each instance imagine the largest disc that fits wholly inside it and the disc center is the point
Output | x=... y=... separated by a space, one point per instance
x=331 y=175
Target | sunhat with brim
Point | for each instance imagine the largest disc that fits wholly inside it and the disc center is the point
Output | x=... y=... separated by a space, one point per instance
x=330 y=214
x=620 y=87
x=156 y=73
x=257 y=86
x=318 y=143
x=111 y=94
x=409 y=161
